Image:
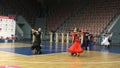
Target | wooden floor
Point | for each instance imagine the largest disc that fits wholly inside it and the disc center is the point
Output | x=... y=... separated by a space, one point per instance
x=88 y=59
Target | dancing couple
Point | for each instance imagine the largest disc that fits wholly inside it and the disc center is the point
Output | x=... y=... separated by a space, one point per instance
x=106 y=40
x=36 y=41
x=75 y=49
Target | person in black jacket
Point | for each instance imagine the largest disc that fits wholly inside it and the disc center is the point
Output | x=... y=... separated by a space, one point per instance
x=85 y=40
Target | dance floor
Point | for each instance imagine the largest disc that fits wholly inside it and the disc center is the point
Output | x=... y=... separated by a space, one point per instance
x=55 y=55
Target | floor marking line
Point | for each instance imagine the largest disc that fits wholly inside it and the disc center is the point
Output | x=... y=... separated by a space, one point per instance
x=14 y=53
x=49 y=62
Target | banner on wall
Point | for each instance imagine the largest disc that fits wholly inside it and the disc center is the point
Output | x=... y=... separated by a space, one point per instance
x=7 y=27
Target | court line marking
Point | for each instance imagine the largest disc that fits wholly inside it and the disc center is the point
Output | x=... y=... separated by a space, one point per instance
x=33 y=55
x=49 y=54
x=14 y=53
x=49 y=62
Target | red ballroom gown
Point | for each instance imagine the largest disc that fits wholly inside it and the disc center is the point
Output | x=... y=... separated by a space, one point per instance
x=76 y=46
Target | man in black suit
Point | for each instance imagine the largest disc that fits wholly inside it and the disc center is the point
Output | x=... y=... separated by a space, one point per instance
x=85 y=40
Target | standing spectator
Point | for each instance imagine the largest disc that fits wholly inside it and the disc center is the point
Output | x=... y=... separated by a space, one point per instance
x=13 y=38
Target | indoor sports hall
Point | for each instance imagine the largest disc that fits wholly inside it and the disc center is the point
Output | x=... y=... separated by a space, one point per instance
x=51 y=33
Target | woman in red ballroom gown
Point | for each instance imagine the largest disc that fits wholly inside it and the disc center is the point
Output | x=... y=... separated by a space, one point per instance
x=76 y=46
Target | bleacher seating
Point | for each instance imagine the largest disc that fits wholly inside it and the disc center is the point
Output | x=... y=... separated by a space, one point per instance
x=28 y=9
x=59 y=14
x=96 y=16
